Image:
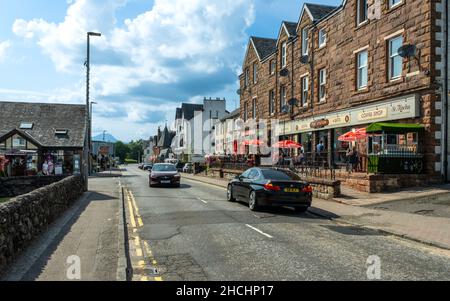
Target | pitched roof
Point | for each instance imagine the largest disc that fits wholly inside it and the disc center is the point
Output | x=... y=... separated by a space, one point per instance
x=264 y=47
x=166 y=138
x=179 y=114
x=236 y=113
x=318 y=11
x=46 y=118
x=291 y=28
x=188 y=110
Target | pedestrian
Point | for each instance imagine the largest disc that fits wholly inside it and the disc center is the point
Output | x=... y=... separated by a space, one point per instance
x=320 y=148
x=348 y=157
x=355 y=159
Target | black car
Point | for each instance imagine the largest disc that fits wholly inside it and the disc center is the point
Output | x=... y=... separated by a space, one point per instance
x=260 y=187
x=164 y=175
x=147 y=166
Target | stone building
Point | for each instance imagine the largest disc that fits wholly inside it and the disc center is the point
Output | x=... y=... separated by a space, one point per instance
x=343 y=68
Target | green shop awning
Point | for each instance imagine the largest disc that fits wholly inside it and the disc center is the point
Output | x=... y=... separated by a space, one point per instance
x=395 y=128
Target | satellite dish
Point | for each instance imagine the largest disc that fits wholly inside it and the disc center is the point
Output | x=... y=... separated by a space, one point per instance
x=284 y=72
x=407 y=51
x=238 y=92
x=304 y=59
x=293 y=102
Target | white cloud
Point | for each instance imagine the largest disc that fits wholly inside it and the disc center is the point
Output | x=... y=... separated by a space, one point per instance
x=4 y=46
x=175 y=51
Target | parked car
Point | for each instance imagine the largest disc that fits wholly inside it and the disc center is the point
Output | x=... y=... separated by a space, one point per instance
x=141 y=165
x=180 y=166
x=165 y=174
x=260 y=187
x=147 y=166
x=188 y=168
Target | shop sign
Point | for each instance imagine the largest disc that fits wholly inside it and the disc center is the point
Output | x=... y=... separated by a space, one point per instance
x=400 y=108
x=320 y=124
x=340 y=120
x=371 y=114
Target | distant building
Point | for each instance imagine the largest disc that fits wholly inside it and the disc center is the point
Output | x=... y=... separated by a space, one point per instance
x=42 y=138
x=195 y=128
x=225 y=134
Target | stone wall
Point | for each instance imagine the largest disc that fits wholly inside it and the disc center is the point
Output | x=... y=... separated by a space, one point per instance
x=14 y=186
x=25 y=217
x=324 y=189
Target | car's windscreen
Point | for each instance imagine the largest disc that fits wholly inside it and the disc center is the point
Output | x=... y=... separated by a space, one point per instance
x=279 y=175
x=164 y=167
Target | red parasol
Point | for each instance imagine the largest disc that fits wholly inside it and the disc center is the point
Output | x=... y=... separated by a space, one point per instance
x=353 y=136
x=253 y=142
x=287 y=144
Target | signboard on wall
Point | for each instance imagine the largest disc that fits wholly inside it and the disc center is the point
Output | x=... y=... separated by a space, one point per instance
x=398 y=108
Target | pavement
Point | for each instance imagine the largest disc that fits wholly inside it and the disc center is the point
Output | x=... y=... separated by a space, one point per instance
x=406 y=213
x=193 y=233
x=85 y=240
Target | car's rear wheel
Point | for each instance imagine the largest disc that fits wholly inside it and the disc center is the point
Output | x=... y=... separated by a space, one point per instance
x=230 y=197
x=253 y=201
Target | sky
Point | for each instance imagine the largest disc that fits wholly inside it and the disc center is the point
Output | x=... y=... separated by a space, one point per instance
x=153 y=54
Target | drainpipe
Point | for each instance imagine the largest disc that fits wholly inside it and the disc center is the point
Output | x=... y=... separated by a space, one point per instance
x=446 y=93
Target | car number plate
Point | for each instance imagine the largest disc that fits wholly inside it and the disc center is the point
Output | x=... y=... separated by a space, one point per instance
x=165 y=182
x=292 y=190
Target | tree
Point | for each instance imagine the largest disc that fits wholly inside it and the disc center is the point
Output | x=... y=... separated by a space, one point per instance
x=122 y=150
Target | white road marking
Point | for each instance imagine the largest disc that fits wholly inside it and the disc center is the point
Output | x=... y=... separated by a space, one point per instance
x=259 y=231
x=203 y=201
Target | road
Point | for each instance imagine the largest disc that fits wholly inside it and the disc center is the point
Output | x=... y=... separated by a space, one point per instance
x=193 y=233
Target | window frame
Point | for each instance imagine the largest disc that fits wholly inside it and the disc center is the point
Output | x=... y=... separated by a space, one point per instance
x=394 y=5
x=254 y=107
x=359 y=69
x=284 y=55
x=246 y=77
x=304 y=100
x=305 y=41
x=272 y=102
x=360 y=22
x=255 y=73
x=324 y=36
x=322 y=84
x=272 y=67
x=283 y=97
x=246 y=111
x=392 y=56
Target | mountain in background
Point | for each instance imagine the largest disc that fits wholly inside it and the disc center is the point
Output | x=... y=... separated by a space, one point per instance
x=108 y=138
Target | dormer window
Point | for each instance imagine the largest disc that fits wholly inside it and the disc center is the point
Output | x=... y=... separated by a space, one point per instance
x=26 y=126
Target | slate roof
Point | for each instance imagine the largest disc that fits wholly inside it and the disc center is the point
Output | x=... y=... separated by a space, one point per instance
x=188 y=110
x=166 y=138
x=236 y=113
x=319 y=11
x=46 y=118
x=291 y=27
x=265 y=47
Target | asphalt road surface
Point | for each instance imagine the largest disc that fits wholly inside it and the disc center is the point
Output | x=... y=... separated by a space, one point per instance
x=195 y=234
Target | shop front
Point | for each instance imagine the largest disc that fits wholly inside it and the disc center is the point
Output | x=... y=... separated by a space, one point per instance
x=26 y=157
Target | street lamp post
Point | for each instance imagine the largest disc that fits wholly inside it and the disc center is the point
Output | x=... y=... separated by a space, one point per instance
x=87 y=150
x=90 y=133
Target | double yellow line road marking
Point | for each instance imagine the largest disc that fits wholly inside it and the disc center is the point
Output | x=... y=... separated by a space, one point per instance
x=142 y=248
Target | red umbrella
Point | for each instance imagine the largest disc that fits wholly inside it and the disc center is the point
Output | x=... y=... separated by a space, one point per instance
x=353 y=135
x=287 y=144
